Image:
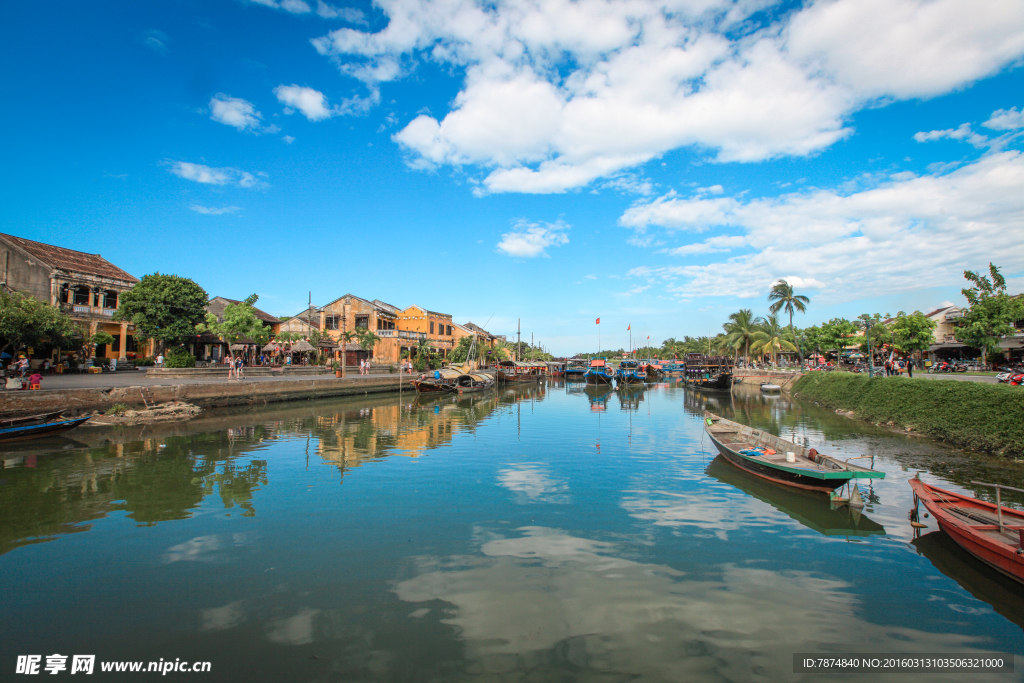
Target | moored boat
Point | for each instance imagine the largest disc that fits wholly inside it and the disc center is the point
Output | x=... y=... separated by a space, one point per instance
x=443 y=381
x=769 y=387
x=783 y=462
x=22 y=432
x=520 y=372
x=708 y=372
x=30 y=419
x=989 y=531
x=630 y=373
x=472 y=382
x=599 y=372
x=575 y=368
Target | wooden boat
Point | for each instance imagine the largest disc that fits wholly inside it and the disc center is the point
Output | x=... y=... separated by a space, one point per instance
x=473 y=382
x=630 y=373
x=443 y=382
x=555 y=368
x=30 y=419
x=769 y=387
x=599 y=372
x=989 y=531
x=783 y=462
x=652 y=369
x=806 y=507
x=575 y=368
x=708 y=372
x=520 y=372
x=37 y=431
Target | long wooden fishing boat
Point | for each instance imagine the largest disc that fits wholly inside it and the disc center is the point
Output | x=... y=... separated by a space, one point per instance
x=783 y=462
x=556 y=368
x=599 y=372
x=443 y=381
x=37 y=431
x=472 y=382
x=30 y=419
x=520 y=372
x=630 y=373
x=708 y=372
x=652 y=369
x=989 y=531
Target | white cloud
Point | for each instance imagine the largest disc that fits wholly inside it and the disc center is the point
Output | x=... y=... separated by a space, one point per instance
x=529 y=240
x=590 y=277
x=311 y=103
x=349 y=14
x=234 y=111
x=557 y=94
x=213 y=210
x=215 y=176
x=157 y=41
x=963 y=132
x=288 y=139
x=293 y=6
x=1006 y=119
x=900 y=235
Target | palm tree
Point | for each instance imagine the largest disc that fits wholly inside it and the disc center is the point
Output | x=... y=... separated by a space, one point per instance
x=742 y=328
x=784 y=299
x=772 y=337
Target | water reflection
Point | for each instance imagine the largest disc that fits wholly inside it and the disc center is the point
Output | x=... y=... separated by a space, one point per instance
x=598 y=396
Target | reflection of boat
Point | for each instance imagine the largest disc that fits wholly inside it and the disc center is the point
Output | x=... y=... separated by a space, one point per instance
x=630 y=373
x=599 y=372
x=598 y=395
x=999 y=591
x=630 y=396
x=778 y=460
x=989 y=532
x=38 y=431
x=806 y=507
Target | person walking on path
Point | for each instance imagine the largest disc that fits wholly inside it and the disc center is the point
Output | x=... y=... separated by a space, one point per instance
x=910 y=367
x=240 y=368
x=160 y=360
x=230 y=361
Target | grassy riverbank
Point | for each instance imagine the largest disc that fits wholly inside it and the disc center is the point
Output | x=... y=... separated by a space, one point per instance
x=985 y=417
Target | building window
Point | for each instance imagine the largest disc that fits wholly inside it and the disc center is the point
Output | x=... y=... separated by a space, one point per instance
x=362 y=321
x=81 y=296
x=449 y=330
x=431 y=327
x=331 y=322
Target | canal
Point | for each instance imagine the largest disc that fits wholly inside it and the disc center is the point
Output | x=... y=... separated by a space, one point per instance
x=550 y=533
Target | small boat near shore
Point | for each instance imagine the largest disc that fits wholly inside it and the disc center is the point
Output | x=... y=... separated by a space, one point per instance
x=990 y=532
x=473 y=382
x=520 y=372
x=30 y=419
x=23 y=432
x=575 y=368
x=443 y=382
x=770 y=388
x=708 y=372
x=783 y=462
x=630 y=374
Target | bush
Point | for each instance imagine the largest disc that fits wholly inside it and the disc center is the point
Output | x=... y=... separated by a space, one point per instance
x=179 y=358
x=972 y=414
x=117 y=409
x=144 y=362
x=100 y=362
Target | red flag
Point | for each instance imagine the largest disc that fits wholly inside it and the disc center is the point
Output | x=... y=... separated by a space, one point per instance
x=598 y=322
x=628 y=328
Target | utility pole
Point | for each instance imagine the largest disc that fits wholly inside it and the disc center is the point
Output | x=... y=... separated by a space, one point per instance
x=519 y=336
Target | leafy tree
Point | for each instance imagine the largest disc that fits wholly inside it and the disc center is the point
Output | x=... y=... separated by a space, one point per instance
x=164 y=307
x=500 y=352
x=742 y=329
x=833 y=335
x=101 y=338
x=880 y=334
x=772 y=337
x=992 y=312
x=784 y=299
x=240 y=322
x=367 y=339
x=179 y=357
x=460 y=353
x=914 y=332
x=25 y=321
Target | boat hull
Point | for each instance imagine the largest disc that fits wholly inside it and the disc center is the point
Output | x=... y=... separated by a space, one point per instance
x=38 y=431
x=431 y=387
x=722 y=382
x=783 y=477
x=1001 y=556
x=598 y=379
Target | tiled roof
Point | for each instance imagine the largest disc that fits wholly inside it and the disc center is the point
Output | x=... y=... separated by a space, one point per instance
x=66 y=259
x=219 y=310
x=938 y=310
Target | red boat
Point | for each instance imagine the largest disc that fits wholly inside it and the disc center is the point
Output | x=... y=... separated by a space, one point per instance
x=990 y=532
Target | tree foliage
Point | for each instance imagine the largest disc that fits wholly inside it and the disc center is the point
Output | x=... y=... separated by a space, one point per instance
x=784 y=299
x=240 y=322
x=25 y=321
x=914 y=332
x=772 y=337
x=992 y=311
x=164 y=307
x=834 y=334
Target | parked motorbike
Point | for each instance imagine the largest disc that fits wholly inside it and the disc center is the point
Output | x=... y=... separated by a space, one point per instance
x=959 y=367
x=1016 y=380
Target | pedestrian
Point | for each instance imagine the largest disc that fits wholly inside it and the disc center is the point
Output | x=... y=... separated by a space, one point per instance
x=240 y=368
x=35 y=381
x=230 y=361
x=910 y=367
x=888 y=368
x=160 y=360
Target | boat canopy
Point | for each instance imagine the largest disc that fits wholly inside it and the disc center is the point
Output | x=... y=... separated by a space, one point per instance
x=597 y=363
x=447 y=373
x=480 y=378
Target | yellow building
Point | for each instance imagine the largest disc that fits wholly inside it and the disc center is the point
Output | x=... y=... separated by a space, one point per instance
x=435 y=327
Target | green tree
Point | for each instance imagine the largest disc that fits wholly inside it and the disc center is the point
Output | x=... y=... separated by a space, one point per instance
x=913 y=332
x=460 y=353
x=741 y=330
x=992 y=312
x=240 y=322
x=834 y=334
x=880 y=334
x=164 y=307
x=25 y=321
x=772 y=338
x=784 y=299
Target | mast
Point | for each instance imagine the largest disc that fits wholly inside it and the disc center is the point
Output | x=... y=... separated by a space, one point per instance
x=519 y=336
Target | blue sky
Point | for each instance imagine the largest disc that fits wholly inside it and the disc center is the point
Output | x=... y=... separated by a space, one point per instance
x=657 y=164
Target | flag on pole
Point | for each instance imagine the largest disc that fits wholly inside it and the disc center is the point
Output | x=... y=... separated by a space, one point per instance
x=598 y=322
x=629 y=327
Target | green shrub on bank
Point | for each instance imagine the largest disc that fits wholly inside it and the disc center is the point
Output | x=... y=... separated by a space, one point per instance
x=986 y=417
x=179 y=358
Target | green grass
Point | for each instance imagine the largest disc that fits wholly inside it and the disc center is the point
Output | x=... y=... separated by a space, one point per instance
x=984 y=417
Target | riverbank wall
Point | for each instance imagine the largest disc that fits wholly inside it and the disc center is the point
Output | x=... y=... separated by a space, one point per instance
x=211 y=395
x=784 y=379
x=982 y=417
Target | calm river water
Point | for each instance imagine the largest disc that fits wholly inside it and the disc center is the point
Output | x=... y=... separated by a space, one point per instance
x=541 y=534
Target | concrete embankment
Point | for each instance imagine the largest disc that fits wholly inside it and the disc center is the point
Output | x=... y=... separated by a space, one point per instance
x=206 y=395
x=981 y=417
x=755 y=377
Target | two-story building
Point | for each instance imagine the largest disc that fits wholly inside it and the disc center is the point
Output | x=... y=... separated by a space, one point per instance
x=85 y=286
x=437 y=327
